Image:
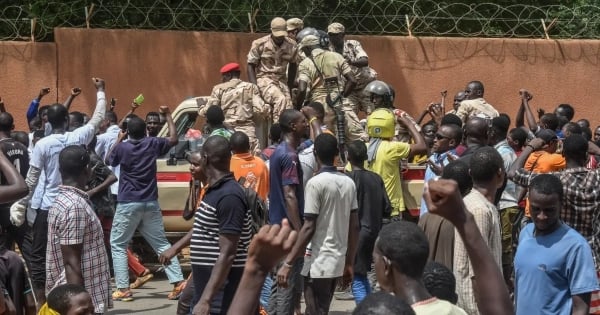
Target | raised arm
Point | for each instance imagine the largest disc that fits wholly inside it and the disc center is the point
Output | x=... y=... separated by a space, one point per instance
x=268 y=247
x=100 y=109
x=419 y=147
x=443 y=198
x=74 y=93
x=32 y=110
x=173 y=138
x=525 y=98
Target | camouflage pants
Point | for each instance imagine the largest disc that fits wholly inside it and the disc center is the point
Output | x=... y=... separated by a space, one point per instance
x=276 y=94
x=250 y=131
x=360 y=102
x=354 y=130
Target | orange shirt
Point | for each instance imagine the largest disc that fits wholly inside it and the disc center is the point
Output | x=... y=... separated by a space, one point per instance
x=543 y=162
x=254 y=170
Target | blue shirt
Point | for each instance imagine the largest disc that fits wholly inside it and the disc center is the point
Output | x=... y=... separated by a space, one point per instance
x=550 y=269
x=284 y=169
x=137 y=181
x=437 y=159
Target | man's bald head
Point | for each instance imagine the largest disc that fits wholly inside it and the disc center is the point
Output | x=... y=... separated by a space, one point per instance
x=6 y=122
x=58 y=115
x=477 y=128
x=474 y=90
x=218 y=152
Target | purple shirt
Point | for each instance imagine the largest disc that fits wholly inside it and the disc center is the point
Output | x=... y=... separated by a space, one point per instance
x=284 y=169
x=137 y=158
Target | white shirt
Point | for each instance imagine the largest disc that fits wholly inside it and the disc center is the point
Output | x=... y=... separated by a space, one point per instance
x=104 y=142
x=330 y=196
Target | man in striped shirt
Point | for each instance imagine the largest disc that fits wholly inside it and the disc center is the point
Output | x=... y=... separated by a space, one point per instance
x=221 y=232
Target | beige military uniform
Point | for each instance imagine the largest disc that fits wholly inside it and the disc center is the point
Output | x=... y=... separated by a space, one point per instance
x=271 y=71
x=327 y=80
x=475 y=108
x=242 y=107
x=363 y=75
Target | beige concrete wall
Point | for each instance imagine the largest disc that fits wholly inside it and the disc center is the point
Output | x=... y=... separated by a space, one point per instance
x=168 y=66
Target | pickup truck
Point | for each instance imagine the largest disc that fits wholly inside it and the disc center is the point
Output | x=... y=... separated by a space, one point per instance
x=174 y=176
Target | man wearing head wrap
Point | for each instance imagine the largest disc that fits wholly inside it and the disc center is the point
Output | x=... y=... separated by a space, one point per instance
x=358 y=60
x=241 y=104
x=328 y=76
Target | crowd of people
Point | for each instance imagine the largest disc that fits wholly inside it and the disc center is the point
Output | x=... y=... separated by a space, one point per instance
x=298 y=198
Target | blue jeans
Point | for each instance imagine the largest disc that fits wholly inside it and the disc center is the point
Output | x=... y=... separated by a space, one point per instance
x=265 y=292
x=147 y=219
x=360 y=288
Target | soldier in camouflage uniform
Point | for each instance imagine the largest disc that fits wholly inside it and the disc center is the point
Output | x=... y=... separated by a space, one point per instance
x=474 y=104
x=294 y=25
x=268 y=61
x=241 y=104
x=359 y=63
x=326 y=74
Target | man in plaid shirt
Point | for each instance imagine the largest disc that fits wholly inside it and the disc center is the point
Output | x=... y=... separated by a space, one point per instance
x=581 y=188
x=75 y=253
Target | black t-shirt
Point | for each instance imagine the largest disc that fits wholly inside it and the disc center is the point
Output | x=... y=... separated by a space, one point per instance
x=373 y=202
x=17 y=154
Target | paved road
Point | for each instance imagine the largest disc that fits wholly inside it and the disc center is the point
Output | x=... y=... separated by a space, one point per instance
x=152 y=299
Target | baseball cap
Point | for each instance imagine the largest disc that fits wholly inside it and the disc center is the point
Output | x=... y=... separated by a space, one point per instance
x=335 y=28
x=278 y=27
x=308 y=41
x=547 y=135
x=232 y=66
x=294 y=24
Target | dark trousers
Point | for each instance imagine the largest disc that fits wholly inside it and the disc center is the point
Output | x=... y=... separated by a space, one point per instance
x=221 y=303
x=318 y=294
x=39 y=231
x=11 y=235
x=184 y=304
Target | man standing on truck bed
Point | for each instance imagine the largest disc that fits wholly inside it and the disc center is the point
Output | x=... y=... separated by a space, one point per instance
x=241 y=104
x=137 y=200
x=268 y=62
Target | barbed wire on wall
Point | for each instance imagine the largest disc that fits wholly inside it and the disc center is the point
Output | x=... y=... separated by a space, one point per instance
x=363 y=17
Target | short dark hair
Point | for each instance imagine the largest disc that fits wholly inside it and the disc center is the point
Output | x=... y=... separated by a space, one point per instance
x=583 y=123
x=275 y=132
x=569 y=110
x=43 y=109
x=6 y=122
x=573 y=128
x=405 y=244
x=57 y=115
x=575 y=147
x=500 y=126
x=456 y=132
x=72 y=161
x=518 y=135
x=286 y=119
x=383 y=303
x=326 y=148
x=215 y=115
x=136 y=127
x=23 y=137
x=357 y=152
x=240 y=143
x=459 y=171
x=440 y=282
x=485 y=163
x=547 y=184
x=550 y=120
x=77 y=118
x=477 y=85
x=152 y=114
x=451 y=119
x=319 y=109
x=111 y=117
x=59 y=297
x=217 y=151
